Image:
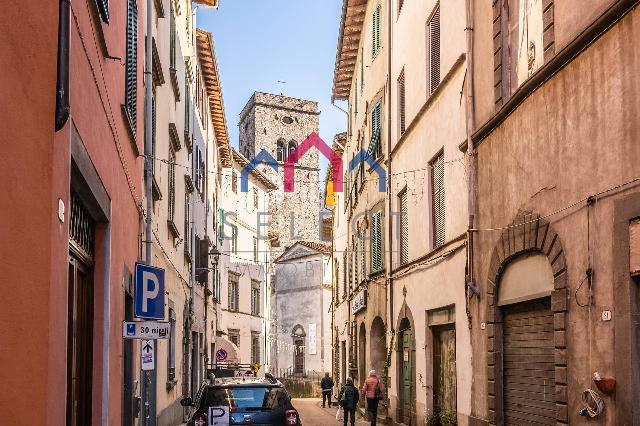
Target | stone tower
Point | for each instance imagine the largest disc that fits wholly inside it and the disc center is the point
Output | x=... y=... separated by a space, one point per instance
x=278 y=124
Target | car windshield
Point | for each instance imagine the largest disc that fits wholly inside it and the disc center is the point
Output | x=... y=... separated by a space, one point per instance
x=245 y=398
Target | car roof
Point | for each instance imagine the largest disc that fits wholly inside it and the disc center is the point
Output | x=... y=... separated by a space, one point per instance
x=243 y=381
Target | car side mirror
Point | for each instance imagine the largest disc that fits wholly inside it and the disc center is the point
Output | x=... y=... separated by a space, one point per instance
x=186 y=401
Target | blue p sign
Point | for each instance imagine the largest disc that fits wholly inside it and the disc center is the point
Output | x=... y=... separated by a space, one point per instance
x=149 y=293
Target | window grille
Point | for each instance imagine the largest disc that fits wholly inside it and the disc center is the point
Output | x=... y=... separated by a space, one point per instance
x=81 y=227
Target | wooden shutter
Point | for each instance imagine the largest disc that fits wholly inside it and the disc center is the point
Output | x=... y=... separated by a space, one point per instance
x=103 y=8
x=172 y=38
x=433 y=48
x=439 y=214
x=361 y=70
x=131 y=63
x=376 y=31
x=172 y=184
x=363 y=257
x=356 y=262
x=404 y=227
x=376 y=243
x=401 y=103
x=400 y=4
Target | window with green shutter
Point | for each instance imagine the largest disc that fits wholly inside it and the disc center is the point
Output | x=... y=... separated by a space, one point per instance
x=375 y=31
x=103 y=8
x=377 y=262
x=404 y=227
x=131 y=63
x=437 y=200
x=363 y=259
x=375 y=146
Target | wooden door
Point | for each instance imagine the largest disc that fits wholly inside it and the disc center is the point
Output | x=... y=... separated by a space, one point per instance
x=528 y=364
x=79 y=343
x=444 y=369
x=299 y=356
x=407 y=375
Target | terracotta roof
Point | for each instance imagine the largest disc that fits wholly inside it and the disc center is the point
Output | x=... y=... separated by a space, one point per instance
x=213 y=3
x=242 y=161
x=353 y=12
x=209 y=66
x=325 y=248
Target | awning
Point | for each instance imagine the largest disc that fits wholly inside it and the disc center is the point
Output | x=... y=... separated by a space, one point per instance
x=227 y=350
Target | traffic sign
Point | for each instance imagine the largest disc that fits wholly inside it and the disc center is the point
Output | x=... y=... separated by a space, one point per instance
x=145 y=329
x=149 y=293
x=221 y=355
x=148 y=361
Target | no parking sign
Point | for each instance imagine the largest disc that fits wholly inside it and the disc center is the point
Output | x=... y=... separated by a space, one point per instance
x=221 y=355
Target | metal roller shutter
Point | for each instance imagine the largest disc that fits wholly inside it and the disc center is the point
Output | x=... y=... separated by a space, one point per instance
x=528 y=364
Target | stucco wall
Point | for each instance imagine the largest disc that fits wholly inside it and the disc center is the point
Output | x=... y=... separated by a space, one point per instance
x=574 y=137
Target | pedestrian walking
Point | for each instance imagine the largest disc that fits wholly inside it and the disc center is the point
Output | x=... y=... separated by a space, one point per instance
x=327 y=388
x=349 y=401
x=373 y=393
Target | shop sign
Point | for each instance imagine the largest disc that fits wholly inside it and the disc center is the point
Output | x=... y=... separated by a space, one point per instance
x=359 y=302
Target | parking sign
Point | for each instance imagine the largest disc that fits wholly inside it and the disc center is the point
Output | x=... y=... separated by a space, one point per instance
x=149 y=292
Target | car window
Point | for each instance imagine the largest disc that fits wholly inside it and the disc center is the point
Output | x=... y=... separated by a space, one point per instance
x=245 y=397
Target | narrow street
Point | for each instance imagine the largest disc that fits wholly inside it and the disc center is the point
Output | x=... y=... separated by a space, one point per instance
x=312 y=413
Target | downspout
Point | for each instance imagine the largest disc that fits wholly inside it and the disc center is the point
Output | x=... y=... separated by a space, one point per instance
x=149 y=376
x=62 y=67
x=106 y=322
x=206 y=237
x=472 y=161
x=389 y=216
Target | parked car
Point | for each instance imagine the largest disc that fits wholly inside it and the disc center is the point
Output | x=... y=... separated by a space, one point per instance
x=244 y=399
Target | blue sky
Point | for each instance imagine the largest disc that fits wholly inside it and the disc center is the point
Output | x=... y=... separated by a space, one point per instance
x=259 y=42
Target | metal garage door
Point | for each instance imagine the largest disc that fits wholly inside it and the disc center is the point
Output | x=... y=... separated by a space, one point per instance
x=529 y=384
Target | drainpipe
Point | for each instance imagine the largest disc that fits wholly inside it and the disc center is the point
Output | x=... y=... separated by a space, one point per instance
x=472 y=159
x=389 y=216
x=106 y=322
x=62 y=71
x=149 y=376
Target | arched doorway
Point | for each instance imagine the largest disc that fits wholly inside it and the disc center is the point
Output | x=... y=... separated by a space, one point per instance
x=526 y=305
x=362 y=352
x=298 y=335
x=378 y=346
x=406 y=367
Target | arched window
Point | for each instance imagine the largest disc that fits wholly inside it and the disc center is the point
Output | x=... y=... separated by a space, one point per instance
x=292 y=147
x=280 y=153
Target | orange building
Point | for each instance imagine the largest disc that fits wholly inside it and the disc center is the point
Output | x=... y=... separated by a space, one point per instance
x=72 y=106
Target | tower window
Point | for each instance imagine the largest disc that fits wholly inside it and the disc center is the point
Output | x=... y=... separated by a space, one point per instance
x=292 y=147
x=281 y=150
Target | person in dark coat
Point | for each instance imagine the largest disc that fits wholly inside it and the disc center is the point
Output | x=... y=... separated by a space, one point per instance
x=348 y=398
x=327 y=388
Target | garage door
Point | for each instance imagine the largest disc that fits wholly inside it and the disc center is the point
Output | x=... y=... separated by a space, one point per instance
x=529 y=384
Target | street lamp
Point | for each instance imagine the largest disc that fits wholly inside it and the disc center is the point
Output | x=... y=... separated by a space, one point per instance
x=216 y=255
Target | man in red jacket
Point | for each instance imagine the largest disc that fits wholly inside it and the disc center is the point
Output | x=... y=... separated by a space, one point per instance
x=371 y=389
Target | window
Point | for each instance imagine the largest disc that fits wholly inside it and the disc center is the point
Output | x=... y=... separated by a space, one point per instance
x=255 y=197
x=255 y=249
x=131 y=64
x=171 y=351
x=103 y=8
x=234 y=181
x=437 y=200
x=375 y=31
x=377 y=261
x=292 y=147
x=234 y=240
x=401 y=104
x=216 y=285
x=172 y=38
x=361 y=73
x=255 y=297
x=234 y=337
x=234 y=292
x=280 y=154
x=344 y=274
x=255 y=348
x=187 y=223
x=433 y=50
x=404 y=227
x=187 y=113
x=363 y=259
x=375 y=146
x=172 y=185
